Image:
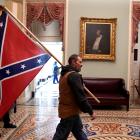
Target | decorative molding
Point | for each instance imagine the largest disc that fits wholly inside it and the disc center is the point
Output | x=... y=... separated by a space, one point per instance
x=38 y=1
x=18 y=1
x=45 y=1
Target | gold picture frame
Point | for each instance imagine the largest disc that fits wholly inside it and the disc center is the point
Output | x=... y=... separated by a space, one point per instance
x=98 y=38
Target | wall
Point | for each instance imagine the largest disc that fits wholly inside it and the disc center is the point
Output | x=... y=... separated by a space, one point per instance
x=1 y=2
x=15 y=7
x=100 y=9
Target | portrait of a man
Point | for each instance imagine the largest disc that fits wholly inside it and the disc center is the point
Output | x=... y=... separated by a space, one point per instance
x=98 y=39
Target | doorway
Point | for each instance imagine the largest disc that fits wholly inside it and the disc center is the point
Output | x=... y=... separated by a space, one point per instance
x=135 y=57
x=46 y=90
x=48 y=26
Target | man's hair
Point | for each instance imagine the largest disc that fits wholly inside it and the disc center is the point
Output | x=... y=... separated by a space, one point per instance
x=72 y=57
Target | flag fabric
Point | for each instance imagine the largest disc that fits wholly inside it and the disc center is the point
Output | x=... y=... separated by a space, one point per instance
x=20 y=61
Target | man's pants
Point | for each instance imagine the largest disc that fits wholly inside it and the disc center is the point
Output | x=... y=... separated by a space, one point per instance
x=72 y=124
x=6 y=118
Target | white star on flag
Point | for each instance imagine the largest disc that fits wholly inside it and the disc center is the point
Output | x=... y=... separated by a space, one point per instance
x=39 y=61
x=7 y=72
x=23 y=66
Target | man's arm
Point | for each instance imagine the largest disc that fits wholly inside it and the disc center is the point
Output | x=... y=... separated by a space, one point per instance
x=76 y=84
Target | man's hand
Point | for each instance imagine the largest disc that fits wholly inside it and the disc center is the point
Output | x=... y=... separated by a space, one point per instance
x=92 y=116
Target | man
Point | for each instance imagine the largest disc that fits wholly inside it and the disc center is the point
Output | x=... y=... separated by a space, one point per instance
x=6 y=118
x=96 y=44
x=55 y=73
x=72 y=100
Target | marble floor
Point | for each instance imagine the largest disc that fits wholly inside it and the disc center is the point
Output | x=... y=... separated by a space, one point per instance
x=37 y=120
x=39 y=123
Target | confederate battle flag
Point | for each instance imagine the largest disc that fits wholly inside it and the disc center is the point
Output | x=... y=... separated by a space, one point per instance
x=20 y=61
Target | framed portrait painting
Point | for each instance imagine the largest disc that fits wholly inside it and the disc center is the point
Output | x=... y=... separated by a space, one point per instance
x=97 y=38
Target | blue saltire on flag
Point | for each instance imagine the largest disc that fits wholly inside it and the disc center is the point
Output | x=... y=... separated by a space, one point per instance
x=20 y=61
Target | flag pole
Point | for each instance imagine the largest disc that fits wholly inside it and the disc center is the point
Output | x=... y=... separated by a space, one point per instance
x=91 y=94
x=36 y=39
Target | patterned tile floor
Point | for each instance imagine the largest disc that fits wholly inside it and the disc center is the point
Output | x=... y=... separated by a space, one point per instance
x=39 y=123
x=37 y=120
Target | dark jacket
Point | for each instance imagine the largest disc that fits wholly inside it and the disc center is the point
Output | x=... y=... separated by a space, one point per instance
x=75 y=81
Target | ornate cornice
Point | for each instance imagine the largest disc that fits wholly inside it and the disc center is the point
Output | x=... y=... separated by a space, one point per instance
x=46 y=1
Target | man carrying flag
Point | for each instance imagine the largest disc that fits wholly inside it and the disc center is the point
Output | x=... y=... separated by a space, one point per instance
x=20 y=61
